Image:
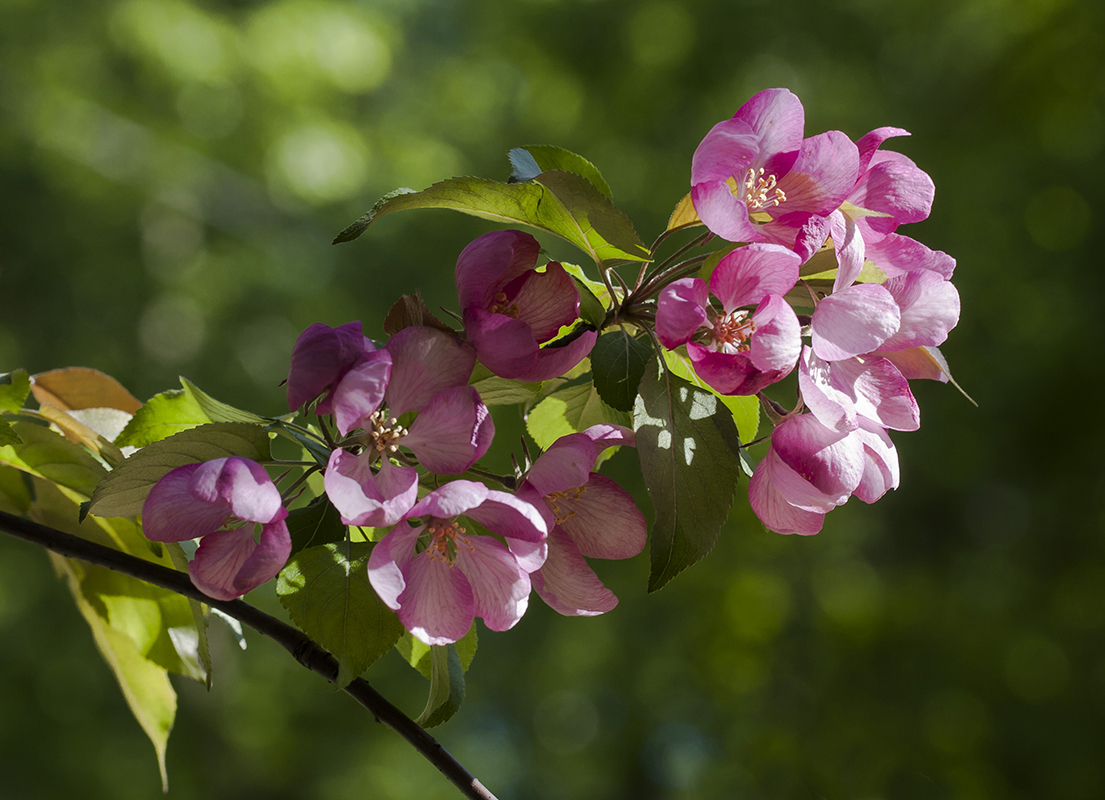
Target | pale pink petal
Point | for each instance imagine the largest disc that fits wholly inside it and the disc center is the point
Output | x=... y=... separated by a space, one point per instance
x=530 y=555
x=438 y=604
x=500 y=588
x=425 y=361
x=568 y=584
x=730 y=149
x=776 y=118
x=895 y=186
x=218 y=560
x=854 y=321
x=773 y=510
x=880 y=392
x=849 y=245
x=361 y=391
x=365 y=498
x=546 y=301
x=833 y=406
x=929 y=306
x=389 y=562
x=800 y=231
x=880 y=471
x=566 y=464
x=869 y=143
x=491 y=262
x=172 y=513
x=680 y=311
x=896 y=255
x=321 y=355
x=450 y=500
x=452 y=432
x=748 y=274
x=604 y=436
x=510 y=516
x=827 y=464
x=248 y=489
x=723 y=213
x=602 y=519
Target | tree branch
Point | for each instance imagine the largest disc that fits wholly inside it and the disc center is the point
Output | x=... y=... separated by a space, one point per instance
x=305 y=650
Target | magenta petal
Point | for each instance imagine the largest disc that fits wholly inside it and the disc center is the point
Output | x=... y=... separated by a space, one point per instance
x=777 y=119
x=604 y=436
x=870 y=142
x=491 y=262
x=510 y=516
x=557 y=358
x=320 y=355
x=680 y=311
x=777 y=342
x=895 y=186
x=772 y=508
x=854 y=321
x=500 y=588
x=245 y=486
x=896 y=255
x=546 y=301
x=800 y=231
x=171 y=513
x=218 y=559
x=389 y=561
x=730 y=149
x=748 y=274
x=929 y=306
x=568 y=584
x=451 y=432
x=503 y=344
x=827 y=465
x=363 y=498
x=361 y=391
x=603 y=520
x=425 y=361
x=721 y=212
x=849 y=245
x=565 y=465
x=266 y=561
x=438 y=604
x=728 y=373
x=879 y=391
x=450 y=500
x=823 y=174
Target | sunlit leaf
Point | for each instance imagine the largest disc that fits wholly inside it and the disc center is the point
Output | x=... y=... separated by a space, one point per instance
x=77 y=432
x=496 y=391
x=687 y=444
x=573 y=407
x=50 y=455
x=14 y=388
x=684 y=215
x=162 y=416
x=326 y=591
x=530 y=161
x=745 y=410
x=122 y=493
x=218 y=411
x=417 y=654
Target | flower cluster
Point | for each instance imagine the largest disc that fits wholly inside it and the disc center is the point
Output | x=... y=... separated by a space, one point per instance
x=756 y=180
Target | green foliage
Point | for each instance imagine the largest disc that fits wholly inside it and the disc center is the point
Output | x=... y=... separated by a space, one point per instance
x=417 y=654
x=496 y=391
x=559 y=202
x=49 y=455
x=745 y=410
x=618 y=361
x=446 y=687
x=14 y=388
x=315 y=524
x=177 y=410
x=122 y=493
x=8 y=436
x=530 y=161
x=327 y=594
x=573 y=407
x=687 y=445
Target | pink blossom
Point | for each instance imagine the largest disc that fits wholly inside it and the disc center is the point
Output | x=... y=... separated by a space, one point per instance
x=320 y=358
x=510 y=310
x=439 y=574
x=754 y=178
x=588 y=515
x=736 y=351
x=220 y=501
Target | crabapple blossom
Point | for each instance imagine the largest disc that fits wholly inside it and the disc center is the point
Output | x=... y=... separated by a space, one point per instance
x=221 y=501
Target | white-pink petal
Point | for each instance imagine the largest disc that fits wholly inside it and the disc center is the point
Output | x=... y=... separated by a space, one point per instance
x=567 y=583
x=854 y=321
x=500 y=588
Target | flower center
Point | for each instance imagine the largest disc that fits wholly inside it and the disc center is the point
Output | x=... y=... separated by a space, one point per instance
x=731 y=334
x=502 y=306
x=758 y=191
x=561 y=513
x=443 y=540
x=384 y=433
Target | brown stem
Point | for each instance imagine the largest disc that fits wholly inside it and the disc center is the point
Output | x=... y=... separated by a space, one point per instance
x=305 y=650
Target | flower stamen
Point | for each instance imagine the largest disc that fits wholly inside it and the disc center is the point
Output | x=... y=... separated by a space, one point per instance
x=760 y=192
x=732 y=333
x=385 y=432
x=503 y=306
x=443 y=540
x=571 y=495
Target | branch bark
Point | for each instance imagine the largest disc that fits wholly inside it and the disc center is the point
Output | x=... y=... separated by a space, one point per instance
x=305 y=650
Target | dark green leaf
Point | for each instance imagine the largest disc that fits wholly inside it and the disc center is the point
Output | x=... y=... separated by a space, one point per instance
x=326 y=591
x=8 y=434
x=14 y=388
x=530 y=161
x=745 y=410
x=618 y=362
x=446 y=686
x=122 y=493
x=316 y=523
x=558 y=202
x=591 y=308
x=688 y=446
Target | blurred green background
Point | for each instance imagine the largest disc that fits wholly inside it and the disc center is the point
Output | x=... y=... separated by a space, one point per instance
x=172 y=175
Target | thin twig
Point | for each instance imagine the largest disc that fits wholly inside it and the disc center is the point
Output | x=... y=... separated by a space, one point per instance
x=305 y=650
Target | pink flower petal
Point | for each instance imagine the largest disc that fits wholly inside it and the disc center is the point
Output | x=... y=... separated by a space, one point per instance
x=389 y=561
x=721 y=212
x=849 y=245
x=450 y=500
x=823 y=174
x=364 y=498
x=728 y=373
x=361 y=391
x=504 y=345
x=827 y=465
x=777 y=342
x=425 y=361
x=896 y=255
x=604 y=436
x=558 y=357
x=730 y=149
x=750 y=273
x=546 y=301
x=854 y=321
x=321 y=355
x=681 y=311
x=870 y=142
x=602 y=519
x=510 y=516
x=568 y=584
x=776 y=117
x=772 y=508
x=452 y=432
x=267 y=559
x=880 y=470
x=218 y=560
x=491 y=262
x=500 y=588
x=172 y=513
x=246 y=487
x=929 y=306
x=566 y=464
x=438 y=605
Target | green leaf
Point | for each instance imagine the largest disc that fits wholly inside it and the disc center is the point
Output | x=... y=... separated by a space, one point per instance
x=14 y=388
x=496 y=391
x=8 y=434
x=15 y=491
x=446 y=686
x=326 y=591
x=162 y=416
x=591 y=308
x=558 y=202
x=688 y=446
x=684 y=215
x=417 y=653
x=745 y=410
x=530 y=161
x=315 y=524
x=50 y=455
x=617 y=363
x=122 y=493
x=218 y=411
x=199 y=619
x=573 y=407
